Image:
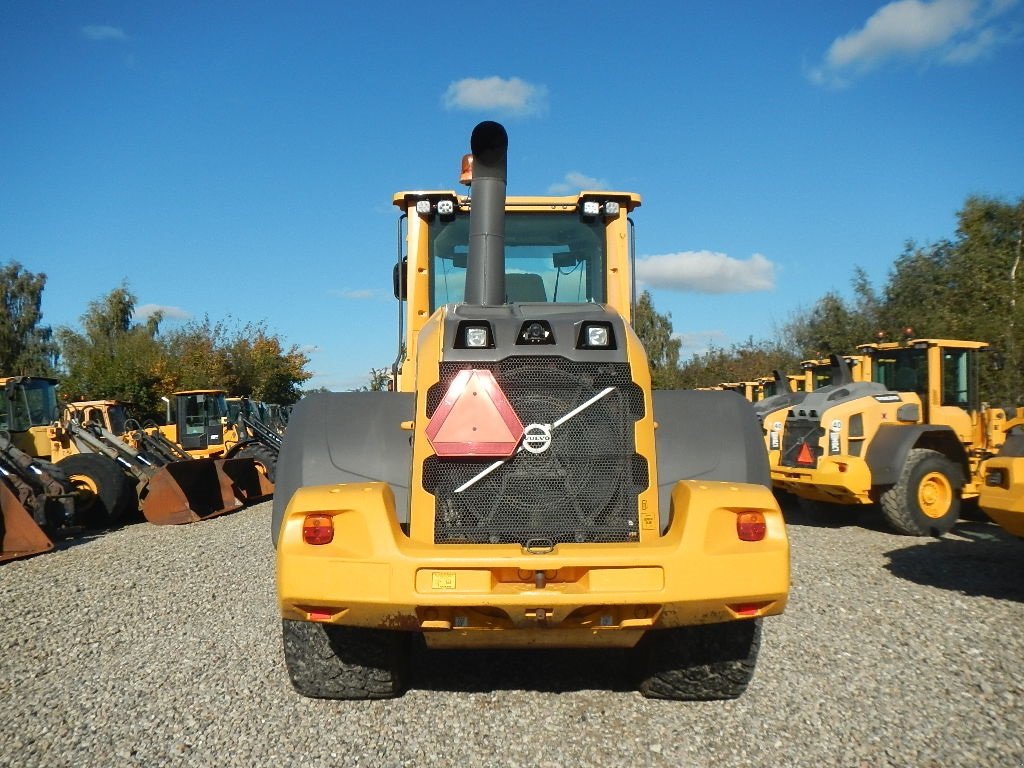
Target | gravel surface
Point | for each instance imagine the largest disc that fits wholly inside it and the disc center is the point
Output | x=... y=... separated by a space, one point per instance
x=161 y=646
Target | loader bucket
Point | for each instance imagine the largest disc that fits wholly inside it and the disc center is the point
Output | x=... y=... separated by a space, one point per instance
x=250 y=485
x=22 y=537
x=188 y=491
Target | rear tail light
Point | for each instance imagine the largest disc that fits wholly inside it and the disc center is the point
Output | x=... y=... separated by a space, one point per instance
x=318 y=529
x=751 y=526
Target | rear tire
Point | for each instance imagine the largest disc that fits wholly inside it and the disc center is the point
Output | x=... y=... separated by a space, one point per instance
x=264 y=456
x=701 y=663
x=326 y=661
x=925 y=500
x=106 y=495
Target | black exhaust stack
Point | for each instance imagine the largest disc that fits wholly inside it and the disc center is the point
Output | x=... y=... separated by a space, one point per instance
x=485 y=268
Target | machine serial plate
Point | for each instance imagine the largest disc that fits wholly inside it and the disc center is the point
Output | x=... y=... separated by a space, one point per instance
x=442 y=580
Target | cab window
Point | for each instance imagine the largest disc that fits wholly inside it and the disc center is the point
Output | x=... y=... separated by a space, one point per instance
x=548 y=258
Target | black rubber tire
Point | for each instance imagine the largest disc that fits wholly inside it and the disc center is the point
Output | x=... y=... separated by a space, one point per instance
x=901 y=505
x=326 y=661
x=115 y=498
x=263 y=455
x=702 y=663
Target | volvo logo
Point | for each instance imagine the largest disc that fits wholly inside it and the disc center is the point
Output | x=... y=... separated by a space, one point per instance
x=537 y=438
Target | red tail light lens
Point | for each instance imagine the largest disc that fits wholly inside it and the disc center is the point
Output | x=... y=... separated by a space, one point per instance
x=318 y=529
x=751 y=526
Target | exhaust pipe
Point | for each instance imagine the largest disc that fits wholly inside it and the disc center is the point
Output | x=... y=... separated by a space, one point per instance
x=485 y=267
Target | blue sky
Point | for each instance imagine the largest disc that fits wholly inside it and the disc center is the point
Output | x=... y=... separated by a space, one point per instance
x=238 y=159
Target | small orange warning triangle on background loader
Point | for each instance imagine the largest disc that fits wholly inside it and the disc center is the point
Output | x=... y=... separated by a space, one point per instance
x=805 y=455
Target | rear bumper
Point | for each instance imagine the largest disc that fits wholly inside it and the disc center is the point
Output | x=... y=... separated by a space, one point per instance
x=836 y=479
x=373 y=575
x=1005 y=503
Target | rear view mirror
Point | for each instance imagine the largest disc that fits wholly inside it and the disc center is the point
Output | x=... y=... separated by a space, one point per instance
x=398 y=278
x=564 y=259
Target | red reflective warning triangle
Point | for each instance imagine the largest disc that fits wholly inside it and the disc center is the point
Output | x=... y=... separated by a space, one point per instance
x=474 y=419
x=804 y=455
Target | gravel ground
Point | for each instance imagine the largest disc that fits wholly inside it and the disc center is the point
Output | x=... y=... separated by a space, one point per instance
x=161 y=646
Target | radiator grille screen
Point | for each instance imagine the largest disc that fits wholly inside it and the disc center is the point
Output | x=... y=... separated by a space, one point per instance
x=583 y=488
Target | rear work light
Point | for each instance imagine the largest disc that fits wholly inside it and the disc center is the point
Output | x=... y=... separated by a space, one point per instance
x=751 y=526
x=318 y=529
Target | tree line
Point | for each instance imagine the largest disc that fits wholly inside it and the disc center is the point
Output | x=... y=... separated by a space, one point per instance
x=112 y=356
x=965 y=287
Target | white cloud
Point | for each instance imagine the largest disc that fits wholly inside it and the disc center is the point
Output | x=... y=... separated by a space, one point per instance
x=512 y=96
x=699 y=342
x=101 y=32
x=706 y=272
x=952 y=31
x=145 y=311
x=574 y=181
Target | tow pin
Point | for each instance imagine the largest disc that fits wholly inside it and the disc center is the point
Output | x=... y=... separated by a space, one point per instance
x=538 y=579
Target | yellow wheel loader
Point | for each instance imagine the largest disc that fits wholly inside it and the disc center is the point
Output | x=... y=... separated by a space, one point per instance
x=36 y=500
x=912 y=440
x=198 y=421
x=772 y=410
x=1001 y=495
x=29 y=412
x=523 y=487
x=171 y=486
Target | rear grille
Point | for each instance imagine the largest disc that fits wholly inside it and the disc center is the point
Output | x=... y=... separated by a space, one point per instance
x=582 y=489
x=797 y=432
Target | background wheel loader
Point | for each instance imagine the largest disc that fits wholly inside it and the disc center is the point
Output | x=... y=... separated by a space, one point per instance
x=1001 y=495
x=171 y=487
x=37 y=502
x=913 y=440
x=523 y=486
x=113 y=471
x=29 y=412
x=199 y=422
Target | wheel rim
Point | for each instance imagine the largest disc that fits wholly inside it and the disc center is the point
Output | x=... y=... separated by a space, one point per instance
x=935 y=495
x=86 y=490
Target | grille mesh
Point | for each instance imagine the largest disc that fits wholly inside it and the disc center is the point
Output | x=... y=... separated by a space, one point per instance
x=583 y=488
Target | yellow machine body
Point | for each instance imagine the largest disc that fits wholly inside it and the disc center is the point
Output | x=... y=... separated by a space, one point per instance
x=1001 y=494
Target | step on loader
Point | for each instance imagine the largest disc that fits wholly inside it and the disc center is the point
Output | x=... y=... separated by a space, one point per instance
x=523 y=486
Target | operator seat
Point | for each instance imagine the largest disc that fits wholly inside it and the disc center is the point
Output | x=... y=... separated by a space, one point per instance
x=524 y=287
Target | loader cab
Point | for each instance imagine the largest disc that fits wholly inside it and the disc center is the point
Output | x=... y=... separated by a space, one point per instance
x=201 y=417
x=548 y=258
x=943 y=373
x=822 y=373
x=565 y=250
x=112 y=415
x=28 y=406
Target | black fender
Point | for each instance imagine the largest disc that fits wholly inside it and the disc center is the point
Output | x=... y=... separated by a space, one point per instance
x=346 y=437
x=888 y=450
x=706 y=435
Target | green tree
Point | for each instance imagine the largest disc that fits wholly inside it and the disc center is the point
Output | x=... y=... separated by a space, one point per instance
x=748 y=361
x=26 y=347
x=112 y=357
x=655 y=332
x=834 y=325
x=247 y=361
